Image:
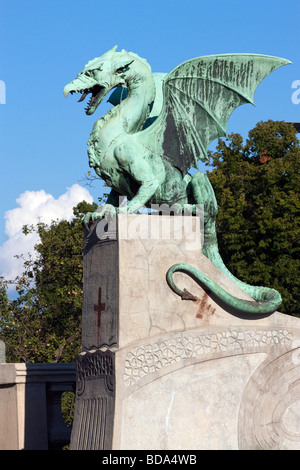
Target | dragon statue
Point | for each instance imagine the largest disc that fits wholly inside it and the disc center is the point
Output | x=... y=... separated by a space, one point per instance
x=159 y=128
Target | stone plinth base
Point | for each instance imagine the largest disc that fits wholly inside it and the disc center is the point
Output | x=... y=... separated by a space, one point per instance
x=160 y=373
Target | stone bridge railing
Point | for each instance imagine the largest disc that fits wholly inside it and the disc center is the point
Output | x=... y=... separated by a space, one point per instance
x=30 y=405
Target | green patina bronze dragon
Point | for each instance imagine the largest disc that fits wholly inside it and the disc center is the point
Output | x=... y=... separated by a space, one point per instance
x=160 y=127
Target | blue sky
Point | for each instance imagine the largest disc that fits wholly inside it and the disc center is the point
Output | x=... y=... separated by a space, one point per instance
x=44 y=44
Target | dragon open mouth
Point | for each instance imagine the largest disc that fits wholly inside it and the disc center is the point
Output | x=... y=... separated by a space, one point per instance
x=98 y=92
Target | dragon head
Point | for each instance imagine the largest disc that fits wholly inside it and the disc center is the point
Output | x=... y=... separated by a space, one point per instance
x=100 y=76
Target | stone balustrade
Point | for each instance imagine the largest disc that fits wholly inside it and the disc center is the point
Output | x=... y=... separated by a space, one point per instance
x=30 y=405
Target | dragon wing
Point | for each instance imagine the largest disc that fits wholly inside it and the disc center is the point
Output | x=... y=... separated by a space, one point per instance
x=198 y=98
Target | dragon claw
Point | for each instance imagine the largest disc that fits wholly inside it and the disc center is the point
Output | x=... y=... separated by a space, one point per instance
x=90 y=217
x=105 y=212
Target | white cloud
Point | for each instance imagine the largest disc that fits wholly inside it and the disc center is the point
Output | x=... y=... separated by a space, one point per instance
x=34 y=207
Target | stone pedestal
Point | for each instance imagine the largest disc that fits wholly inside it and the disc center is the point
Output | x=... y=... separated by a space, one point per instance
x=160 y=373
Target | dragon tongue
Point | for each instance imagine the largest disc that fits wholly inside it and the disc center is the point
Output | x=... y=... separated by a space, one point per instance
x=83 y=96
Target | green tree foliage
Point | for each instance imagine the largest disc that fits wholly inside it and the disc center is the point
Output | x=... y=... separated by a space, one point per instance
x=257 y=189
x=43 y=324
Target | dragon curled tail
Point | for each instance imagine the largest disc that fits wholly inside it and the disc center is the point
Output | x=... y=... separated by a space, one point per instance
x=266 y=300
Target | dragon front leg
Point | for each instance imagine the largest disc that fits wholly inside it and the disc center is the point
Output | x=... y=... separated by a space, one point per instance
x=135 y=163
x=110 y=208
x=142 y=197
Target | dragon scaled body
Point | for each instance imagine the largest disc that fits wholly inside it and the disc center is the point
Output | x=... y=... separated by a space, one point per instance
x=160 y=127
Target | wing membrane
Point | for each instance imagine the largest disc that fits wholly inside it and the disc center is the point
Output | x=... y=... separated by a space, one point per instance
x=199 y=97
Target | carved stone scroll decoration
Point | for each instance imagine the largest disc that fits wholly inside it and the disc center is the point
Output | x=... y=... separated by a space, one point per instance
x=95 y=401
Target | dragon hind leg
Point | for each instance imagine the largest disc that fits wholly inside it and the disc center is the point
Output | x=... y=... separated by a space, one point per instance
x=204 y=196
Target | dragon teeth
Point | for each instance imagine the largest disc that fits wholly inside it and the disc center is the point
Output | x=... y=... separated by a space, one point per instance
x=83 y=96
